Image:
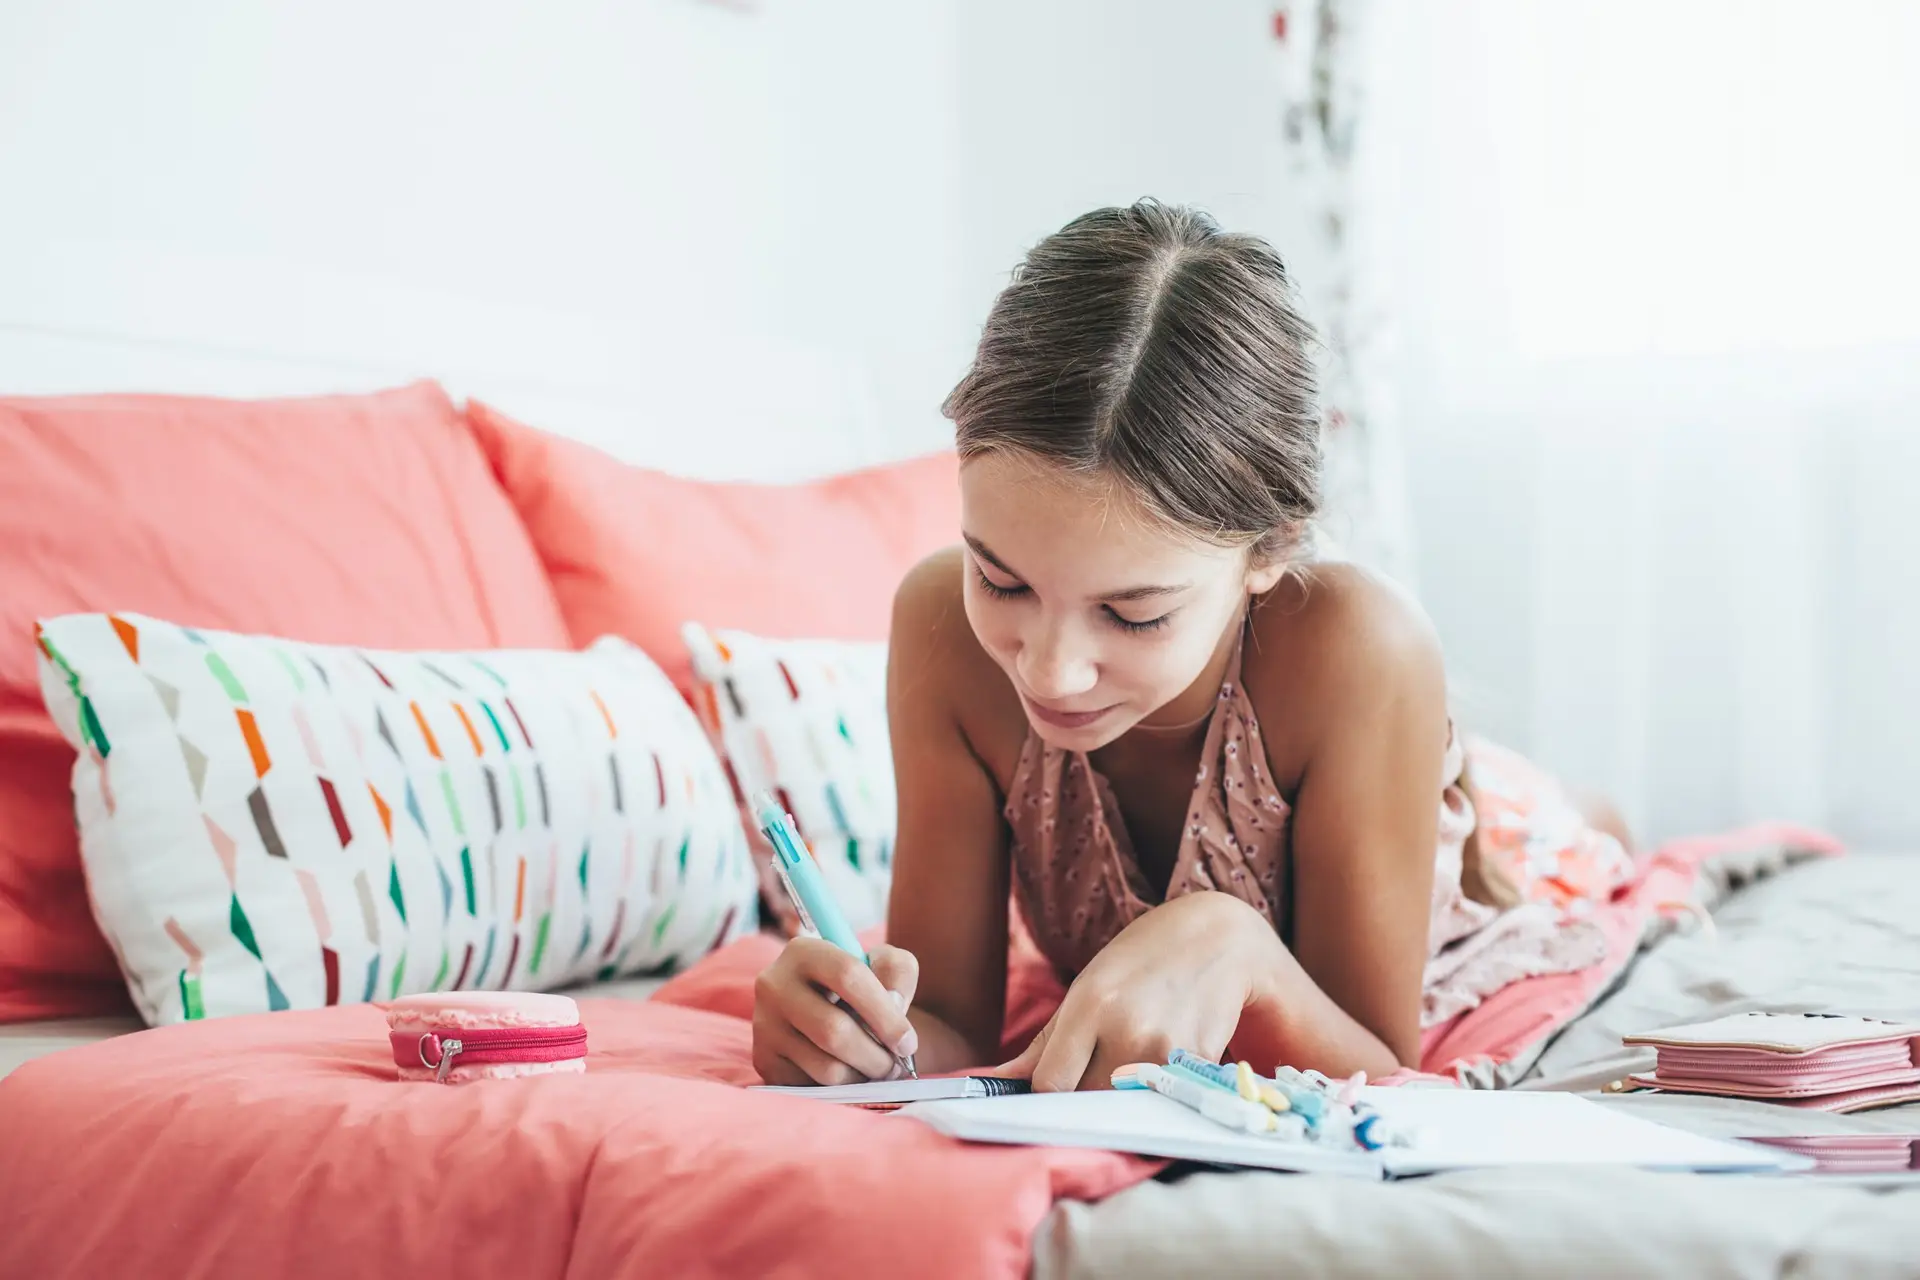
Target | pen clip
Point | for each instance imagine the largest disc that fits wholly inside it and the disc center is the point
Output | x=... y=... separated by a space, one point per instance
x=793 y=896
x=783 y=834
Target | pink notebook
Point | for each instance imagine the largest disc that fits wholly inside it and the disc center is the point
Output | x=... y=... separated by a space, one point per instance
x=1854 y=1153
x=1818 y=1061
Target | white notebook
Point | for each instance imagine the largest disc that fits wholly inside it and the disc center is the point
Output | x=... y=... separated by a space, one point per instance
x=1462 y=1129
x=898 y=1093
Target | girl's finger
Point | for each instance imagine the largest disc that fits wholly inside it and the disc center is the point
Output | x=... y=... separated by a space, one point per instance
x=1020 y=1067
x=898 y=971
x=831 y=969
x=1063 y=1061
x=797 y=1004
x=813 y=1064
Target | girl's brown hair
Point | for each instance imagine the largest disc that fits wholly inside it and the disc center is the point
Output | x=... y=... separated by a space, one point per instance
x=1146 y=344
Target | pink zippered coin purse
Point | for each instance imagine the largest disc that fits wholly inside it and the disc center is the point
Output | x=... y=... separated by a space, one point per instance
x=457 y=1037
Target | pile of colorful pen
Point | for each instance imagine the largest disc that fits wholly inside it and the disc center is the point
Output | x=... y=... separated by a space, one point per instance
x=1298 y=1106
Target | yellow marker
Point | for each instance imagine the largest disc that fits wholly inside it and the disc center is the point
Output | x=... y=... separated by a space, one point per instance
x=1251 y=1087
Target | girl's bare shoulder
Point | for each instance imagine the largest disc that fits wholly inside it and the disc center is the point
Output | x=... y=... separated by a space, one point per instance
x=1330 y=639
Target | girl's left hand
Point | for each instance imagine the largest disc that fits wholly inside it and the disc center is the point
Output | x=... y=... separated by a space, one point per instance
x=1176 y=978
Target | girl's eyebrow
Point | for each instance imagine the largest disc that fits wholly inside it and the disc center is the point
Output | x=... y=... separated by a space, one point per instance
x=980 y=549
x=1144 y=593
x=1112 y=597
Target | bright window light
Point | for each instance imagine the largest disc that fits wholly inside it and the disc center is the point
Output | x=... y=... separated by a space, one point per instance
x=1706 y=176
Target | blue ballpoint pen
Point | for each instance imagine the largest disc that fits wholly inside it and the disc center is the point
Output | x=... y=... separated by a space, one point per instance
x=816 y=906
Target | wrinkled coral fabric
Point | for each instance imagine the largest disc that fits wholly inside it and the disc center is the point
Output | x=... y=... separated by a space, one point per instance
x=281 y=1145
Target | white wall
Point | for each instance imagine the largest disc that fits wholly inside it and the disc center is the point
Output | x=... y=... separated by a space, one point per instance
x=664 y=225
x=1067 y=105
x=730 y=240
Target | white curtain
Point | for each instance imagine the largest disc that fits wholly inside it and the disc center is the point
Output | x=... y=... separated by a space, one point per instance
x=1324 y=55
x=1655 y=268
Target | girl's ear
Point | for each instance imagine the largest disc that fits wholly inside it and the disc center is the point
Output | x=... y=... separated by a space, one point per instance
x=1269 y=558
x=1264 y=574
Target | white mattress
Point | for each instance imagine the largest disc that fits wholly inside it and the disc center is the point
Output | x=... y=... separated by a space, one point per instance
x=22 y=1042
x=1839 y=935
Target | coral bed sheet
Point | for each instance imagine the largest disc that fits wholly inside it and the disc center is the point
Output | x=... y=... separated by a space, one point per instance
x=281 y=1145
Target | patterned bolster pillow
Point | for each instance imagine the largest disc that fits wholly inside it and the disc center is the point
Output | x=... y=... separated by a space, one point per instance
x=266 y=824
x=807 y=721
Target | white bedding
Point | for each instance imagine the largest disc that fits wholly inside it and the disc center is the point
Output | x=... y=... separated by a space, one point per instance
x=1831 y=935
x=22 y=1042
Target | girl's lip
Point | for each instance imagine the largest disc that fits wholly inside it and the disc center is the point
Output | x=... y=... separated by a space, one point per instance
x=1065 y=719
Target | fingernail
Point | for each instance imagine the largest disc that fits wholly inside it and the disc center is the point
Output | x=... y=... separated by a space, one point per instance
x=908 y=1044
x=899 y=1000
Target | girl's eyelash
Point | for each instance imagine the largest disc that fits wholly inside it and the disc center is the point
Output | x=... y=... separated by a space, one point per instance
x=994 y=589
x=1126 y=624
x=999 y=592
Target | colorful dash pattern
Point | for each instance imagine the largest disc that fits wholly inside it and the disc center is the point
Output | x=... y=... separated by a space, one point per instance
x=369 y=824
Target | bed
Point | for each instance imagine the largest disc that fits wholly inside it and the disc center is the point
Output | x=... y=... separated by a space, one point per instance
x=1833 y=934
x=218 y=1182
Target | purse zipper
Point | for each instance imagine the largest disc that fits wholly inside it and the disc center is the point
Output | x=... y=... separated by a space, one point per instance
x=1734 y=1064
x=485 y=1046
x=1905 y=1081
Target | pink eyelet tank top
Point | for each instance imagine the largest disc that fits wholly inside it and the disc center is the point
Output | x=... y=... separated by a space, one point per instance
x=1079 y=883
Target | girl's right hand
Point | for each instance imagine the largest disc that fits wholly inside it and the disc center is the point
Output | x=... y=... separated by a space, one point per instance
x=801 y=1037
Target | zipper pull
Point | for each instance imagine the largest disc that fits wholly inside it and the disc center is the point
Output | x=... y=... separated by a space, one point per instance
x=447 y=1049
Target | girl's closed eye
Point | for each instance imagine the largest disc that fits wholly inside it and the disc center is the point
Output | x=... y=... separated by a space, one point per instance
x=1014 y=590
x=1001 y=591
x=1129 y=624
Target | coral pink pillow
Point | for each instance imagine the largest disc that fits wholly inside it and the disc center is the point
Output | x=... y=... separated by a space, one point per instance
x=636 y=553
x=369 y=520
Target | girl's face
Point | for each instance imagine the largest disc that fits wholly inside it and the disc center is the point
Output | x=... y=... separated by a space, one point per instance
x=1098 y=616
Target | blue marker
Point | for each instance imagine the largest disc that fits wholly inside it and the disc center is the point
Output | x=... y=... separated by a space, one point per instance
x=816 y=907
x=1210 y=1072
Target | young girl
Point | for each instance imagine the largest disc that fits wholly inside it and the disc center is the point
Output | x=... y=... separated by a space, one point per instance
x=1219 y=779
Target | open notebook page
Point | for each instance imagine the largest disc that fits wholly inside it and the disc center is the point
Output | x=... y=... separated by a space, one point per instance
x=1461 y=1129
